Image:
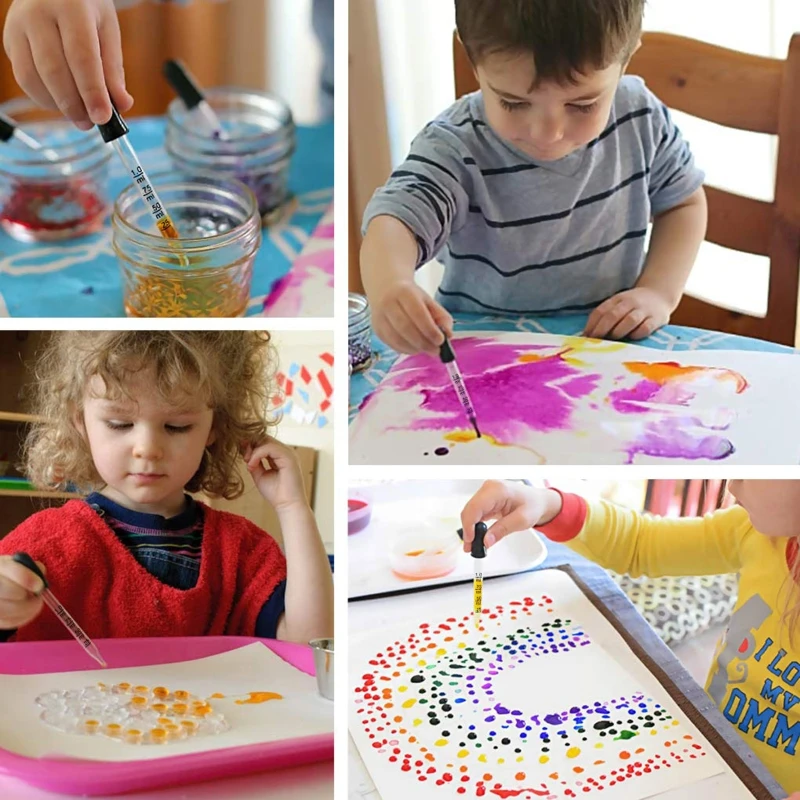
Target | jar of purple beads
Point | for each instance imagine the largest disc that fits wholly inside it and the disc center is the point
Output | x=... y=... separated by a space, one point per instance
x=254 y=143
x=359 y=332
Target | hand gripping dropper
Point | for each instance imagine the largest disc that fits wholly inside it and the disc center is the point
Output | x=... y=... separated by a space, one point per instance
x=59 y=610
x=478 y=551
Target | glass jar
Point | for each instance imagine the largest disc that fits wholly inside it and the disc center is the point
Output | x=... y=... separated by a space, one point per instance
x=207 y=272
x=61 y=197
x=359 y=332
x=260 y=146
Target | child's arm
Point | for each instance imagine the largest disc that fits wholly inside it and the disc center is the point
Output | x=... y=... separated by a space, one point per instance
x=406 y=223
x=68 y=56
x=309 y=588
x=674 y=243
x=617 y=538
x=404 y=316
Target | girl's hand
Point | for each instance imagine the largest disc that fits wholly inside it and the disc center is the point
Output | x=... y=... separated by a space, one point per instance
x=513 y=506
x=68 y=56
x=19 y=603
x=281 y=485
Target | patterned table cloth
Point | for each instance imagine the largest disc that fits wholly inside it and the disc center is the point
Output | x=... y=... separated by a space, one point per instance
x=81 y=278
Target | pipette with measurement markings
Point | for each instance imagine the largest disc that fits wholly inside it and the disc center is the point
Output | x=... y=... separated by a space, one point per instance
x=478 y=552
x=448 y=358
x=59 y=610
x=115 y=131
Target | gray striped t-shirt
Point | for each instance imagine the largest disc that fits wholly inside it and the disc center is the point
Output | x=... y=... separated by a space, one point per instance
x=521 y=236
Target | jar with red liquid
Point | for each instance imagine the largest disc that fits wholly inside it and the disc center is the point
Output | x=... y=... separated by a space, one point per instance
x=206 y=272
x=260 y=142
x=49 y=199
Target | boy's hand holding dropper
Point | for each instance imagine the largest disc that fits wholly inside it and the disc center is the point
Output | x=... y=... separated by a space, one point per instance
x=404 y=316
x=309 y=588
x=514 y=507
x=68 y=56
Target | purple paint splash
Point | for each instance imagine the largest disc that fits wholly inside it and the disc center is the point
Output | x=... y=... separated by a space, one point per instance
x=512 y=397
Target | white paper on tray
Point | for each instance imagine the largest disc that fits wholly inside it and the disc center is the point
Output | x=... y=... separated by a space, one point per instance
x=598 y=670
x=541 y=398
x=252 y=668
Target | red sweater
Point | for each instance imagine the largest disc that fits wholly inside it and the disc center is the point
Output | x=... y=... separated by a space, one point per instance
x=110 y=594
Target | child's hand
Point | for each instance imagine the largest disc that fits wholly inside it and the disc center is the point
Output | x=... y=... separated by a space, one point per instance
x=281 y=485
x=68 y=56
x=795 y=796
x=513 y=506
x=18 y=587
x=635 y=313
x=409 y=320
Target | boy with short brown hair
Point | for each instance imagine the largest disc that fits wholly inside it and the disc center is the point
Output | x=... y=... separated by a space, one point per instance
x=537 y=190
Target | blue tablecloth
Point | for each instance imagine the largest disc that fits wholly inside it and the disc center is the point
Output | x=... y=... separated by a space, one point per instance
x=80 y=277
x=670 y=337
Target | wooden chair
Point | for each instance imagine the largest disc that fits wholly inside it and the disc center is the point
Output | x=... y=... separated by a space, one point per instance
x=742 y=91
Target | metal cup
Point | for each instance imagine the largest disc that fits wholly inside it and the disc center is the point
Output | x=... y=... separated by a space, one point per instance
x=323 y=666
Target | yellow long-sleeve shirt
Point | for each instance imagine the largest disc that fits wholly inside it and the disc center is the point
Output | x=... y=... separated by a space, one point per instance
x=755 y=675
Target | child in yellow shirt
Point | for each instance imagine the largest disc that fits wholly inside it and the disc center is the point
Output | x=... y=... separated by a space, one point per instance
x=755 y=676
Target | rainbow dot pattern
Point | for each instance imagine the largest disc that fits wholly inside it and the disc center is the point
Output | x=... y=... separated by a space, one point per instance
x=431 y=706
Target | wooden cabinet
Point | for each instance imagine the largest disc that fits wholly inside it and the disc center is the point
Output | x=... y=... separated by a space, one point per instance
x=17 y=357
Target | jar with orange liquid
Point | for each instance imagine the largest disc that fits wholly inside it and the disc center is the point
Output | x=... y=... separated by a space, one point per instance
x=206 y=272
x=427 y=551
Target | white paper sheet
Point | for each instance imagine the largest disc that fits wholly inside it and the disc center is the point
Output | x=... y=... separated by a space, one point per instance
x=541 y=398
x=301 y=712
x=598 y=669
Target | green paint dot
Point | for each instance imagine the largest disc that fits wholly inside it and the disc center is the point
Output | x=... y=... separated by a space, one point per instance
x=625 y=735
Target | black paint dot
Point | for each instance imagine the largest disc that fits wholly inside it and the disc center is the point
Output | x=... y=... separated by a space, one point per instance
x=441 y=451
x=417 y=678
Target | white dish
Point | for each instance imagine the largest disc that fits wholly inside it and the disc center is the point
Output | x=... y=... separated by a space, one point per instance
x=406 y=515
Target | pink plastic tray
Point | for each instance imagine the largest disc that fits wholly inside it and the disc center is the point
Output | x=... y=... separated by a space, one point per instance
x=87 y=777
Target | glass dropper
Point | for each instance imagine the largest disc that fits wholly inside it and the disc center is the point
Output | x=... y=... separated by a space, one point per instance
x=10 y=130
x=115 y=132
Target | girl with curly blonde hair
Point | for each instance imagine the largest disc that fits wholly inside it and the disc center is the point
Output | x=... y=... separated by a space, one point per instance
x=135 y=420
x=755 y=676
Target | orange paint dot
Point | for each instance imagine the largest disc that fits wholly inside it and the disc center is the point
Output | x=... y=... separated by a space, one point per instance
x=577 y=770
x=260 y=697
x=217 y=696
x=488 y=776
x=624 y=754
x=520 y=776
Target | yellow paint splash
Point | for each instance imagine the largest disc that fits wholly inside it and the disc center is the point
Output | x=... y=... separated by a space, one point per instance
x=259 y=697
x=402 y=688
x=543 y=759
x=573 y=752
x=462 y=753
x=217 y=696
x=482 y=758
x=462 y=437
x=410 y=702
x=417 y=722
x=440 y=742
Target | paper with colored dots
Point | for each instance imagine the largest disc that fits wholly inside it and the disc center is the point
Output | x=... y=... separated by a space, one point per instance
x=545 y=700
x=546 y=399
x=248 y=696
